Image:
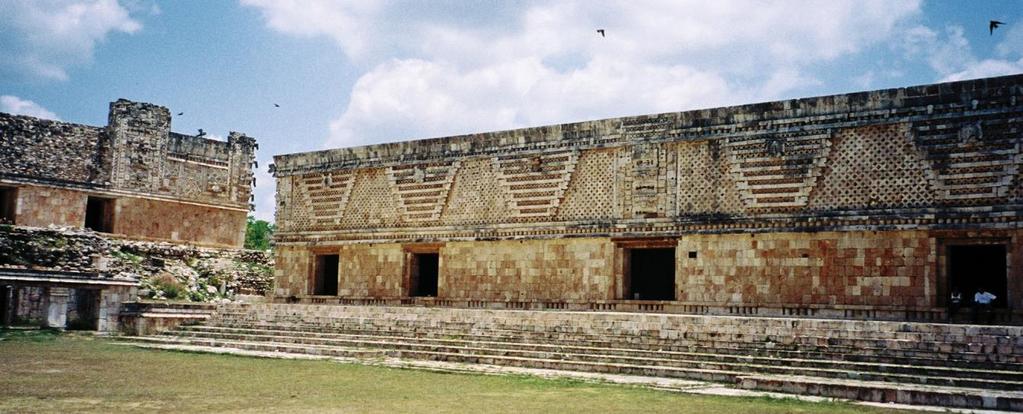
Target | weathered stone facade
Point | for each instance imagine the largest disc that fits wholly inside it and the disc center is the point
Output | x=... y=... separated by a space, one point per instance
x=156 y=184
x=858 y=205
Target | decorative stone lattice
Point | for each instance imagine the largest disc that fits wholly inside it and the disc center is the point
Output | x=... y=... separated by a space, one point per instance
x=778 y=170
x=372 y=202
x=873 y=167
x=421 y=190
x=704 y=184
x=535 y=184
x=974 y=160
x=475 y=195
x=590 y=194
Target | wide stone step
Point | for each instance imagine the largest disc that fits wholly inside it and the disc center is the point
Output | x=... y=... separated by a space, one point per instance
x=1005 y=344
x=386 y=316
x=769 y=349
x=266 y=346
x=864 y=390
x=887 y=393
x=936 y=370
x=611 y=356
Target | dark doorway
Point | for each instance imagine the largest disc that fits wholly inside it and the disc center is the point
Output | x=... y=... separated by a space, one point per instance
x=83 y=309
x=8 y=205
x=99 y=214
x=651 y=274
x=6 y=305
x=425 y=267
x=978 y=265
x=325 y=282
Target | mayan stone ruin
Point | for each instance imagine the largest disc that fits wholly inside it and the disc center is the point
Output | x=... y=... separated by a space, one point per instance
x=868 y=205
x=95 y=217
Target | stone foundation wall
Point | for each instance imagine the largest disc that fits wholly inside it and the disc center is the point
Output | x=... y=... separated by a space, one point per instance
x=196 y=273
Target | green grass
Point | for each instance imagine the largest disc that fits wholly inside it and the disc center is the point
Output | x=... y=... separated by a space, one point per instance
x=49 y=372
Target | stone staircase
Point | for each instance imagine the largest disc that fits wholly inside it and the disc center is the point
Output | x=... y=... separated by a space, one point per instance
x=964 y=366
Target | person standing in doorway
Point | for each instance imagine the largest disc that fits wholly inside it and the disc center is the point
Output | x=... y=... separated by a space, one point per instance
x=955 y=301
x=982 y=303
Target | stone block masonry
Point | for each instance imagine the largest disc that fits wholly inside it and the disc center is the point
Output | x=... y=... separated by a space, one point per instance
x=136 y=177
x=871 y=204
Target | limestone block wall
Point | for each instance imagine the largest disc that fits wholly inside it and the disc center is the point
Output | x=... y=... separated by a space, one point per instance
x=521 y=270
x=292 y=271
x=828 y=268
x=177 y=221
x=40 y=206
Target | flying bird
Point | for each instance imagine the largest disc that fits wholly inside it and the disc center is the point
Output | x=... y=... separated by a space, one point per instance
x=993 y=25
x=180 y=113
x=276 y=106
x=601 y=31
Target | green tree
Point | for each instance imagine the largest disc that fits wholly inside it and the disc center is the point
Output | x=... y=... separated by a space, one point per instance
x=258 y=234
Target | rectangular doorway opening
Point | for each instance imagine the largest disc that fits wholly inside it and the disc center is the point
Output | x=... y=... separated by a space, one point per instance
x=979 y=265
x=83 y=309
x=8 y=204
x=650 y=274
x=325 y=280
x=425 y=268
x=99 y=214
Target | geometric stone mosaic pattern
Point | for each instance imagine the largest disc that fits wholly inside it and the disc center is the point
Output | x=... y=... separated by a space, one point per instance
x=855 y=161
x=474 y=199
x=873 y=167
x=704 y=183
x=588 y=195
x=422 y=189
x=975 y=160
x=778 y=170
x=535 y=184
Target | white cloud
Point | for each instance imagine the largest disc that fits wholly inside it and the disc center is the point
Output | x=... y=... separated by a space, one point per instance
x=43 y=38
x=350 y=23
x=950 y=56
x=15 y=105
x=544 y=62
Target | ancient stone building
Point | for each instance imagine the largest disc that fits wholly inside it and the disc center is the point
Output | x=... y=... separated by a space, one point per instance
x=863 y=205
x=132 y=179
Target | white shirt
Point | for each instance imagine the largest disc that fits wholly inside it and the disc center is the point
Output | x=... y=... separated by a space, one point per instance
x=983 y=298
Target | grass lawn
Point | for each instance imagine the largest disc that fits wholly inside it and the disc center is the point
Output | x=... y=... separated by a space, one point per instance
x=45 y=372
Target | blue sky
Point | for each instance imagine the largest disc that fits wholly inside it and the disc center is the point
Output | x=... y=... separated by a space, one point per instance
x=351 y=73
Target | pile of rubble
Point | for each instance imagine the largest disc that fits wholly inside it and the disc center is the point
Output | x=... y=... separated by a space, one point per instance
x=163 y=270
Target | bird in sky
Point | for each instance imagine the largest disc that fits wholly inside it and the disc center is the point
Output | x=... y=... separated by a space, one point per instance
x=201 y=133
x=180 y=113
x=601 y=31
x=276 y=106
x=993 y=25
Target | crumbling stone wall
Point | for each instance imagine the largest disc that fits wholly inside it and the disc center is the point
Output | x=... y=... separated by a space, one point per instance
x=52 y=150
x=199 y=274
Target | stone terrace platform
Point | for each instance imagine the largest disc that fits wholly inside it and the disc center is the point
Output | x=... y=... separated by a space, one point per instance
x=965 y=366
